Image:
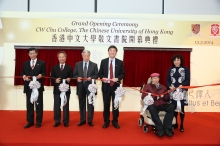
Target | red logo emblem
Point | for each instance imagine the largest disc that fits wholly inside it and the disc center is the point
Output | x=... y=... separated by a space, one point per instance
x=214 y=29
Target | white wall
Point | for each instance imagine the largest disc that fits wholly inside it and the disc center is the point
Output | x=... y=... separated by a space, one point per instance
x=13 y=5
x=194 y=7
x=61 y=5
x=130 y=6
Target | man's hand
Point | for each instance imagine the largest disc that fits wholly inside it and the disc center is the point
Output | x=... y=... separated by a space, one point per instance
x=105 y=80
x=58 y=80
x=26 y=78
x=89 y=79
x=68 y=80
x=79 y=79
x=114 y=79
x=39 y=76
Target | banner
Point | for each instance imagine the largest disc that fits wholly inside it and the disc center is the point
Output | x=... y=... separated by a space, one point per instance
x=110 y=31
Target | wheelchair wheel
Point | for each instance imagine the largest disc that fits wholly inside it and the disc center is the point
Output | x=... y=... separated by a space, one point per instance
x=140 y=121
x=145 y=128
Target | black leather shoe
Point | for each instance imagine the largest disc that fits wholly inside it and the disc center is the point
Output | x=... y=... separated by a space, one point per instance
x=105 y=125
x=116 y=125
x=91 y=124
x=28 y=125
x=66 y=125
x=169 y=133
x=38 y=125
x=175 y=126
x=81 y=123
x=56 y=124
x=181 y=129
x=160 y=133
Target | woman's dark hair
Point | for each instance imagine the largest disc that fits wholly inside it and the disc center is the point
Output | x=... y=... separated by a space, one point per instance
x=177 y=56
x=32 y=49
x=112 y=46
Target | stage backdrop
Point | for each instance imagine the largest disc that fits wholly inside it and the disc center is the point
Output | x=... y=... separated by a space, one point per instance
x=96 y=32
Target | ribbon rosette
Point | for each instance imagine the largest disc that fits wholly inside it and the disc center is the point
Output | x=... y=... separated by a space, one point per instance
x=92 y=89
x=178 y=95
x=34 y=85
x=148 y=100
x=119 y=92
x=63 y=88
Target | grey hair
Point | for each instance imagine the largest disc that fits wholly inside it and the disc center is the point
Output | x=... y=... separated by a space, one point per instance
x=86 y=51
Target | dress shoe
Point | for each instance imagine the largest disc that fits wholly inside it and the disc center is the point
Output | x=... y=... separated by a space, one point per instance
x=160 y=133
x=175 y=126
x=28 y=125
x=105 y=125
x=181 y=128
x=81 y=123
x=38 y=125
x=91 y=124
x=66 y=125
x=116 y=125
x=169 y=133
x=56 y=124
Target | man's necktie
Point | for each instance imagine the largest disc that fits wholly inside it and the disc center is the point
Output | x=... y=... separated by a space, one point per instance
x=32 y=64
x=85 y=72
x=111 y=74
x=61 y=68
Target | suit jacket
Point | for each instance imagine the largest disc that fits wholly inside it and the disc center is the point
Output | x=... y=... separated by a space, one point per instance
x=40 y=68
x=92 y=72
x=64 y=74
x=104 y=69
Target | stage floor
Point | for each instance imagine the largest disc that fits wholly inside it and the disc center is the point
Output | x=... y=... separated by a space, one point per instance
x=200 y=129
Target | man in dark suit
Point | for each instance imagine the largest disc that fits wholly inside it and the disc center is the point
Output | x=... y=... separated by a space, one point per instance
x=33 y=67
x=111 y=71
x=88 y=70
x=59 y=73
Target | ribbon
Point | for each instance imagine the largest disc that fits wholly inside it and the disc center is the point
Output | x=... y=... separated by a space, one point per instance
x=178 y=95
x=63 y=88
x=92 y=89
x=119 y=92
x=148 y=100
x=184 y=87
x=34 y=85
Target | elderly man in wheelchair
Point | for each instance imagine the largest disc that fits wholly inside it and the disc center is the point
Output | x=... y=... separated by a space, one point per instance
x=154 y=99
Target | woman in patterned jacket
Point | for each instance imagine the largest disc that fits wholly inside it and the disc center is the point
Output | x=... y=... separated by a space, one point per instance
x=177 y=76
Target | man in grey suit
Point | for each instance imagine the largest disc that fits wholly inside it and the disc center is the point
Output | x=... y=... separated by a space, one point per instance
x=88 y=70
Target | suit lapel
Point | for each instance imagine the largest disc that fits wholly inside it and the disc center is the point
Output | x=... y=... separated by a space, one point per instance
x=35 y=67
x=116 y=67
x=81 y=67
x=89 y=68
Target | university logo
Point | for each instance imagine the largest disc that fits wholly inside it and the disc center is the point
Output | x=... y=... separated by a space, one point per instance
x=195 y=30
x=214 y=30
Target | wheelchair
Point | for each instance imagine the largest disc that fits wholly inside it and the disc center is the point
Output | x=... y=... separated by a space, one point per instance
x=145 y=118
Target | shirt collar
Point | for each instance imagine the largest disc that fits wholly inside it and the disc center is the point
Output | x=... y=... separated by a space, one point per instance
x=113 y=60
x=62 y=64
x=35 y=60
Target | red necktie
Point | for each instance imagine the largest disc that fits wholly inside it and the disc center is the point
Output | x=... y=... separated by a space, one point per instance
x=61 y=68
x=32 y=64
x=111 y=74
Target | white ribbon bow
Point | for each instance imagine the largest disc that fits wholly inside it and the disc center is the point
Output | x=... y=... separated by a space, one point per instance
x=92 y=89
x=119 y=92
x=148 y=100
x=178 y=95
x=63 y=88
x=34 y=85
